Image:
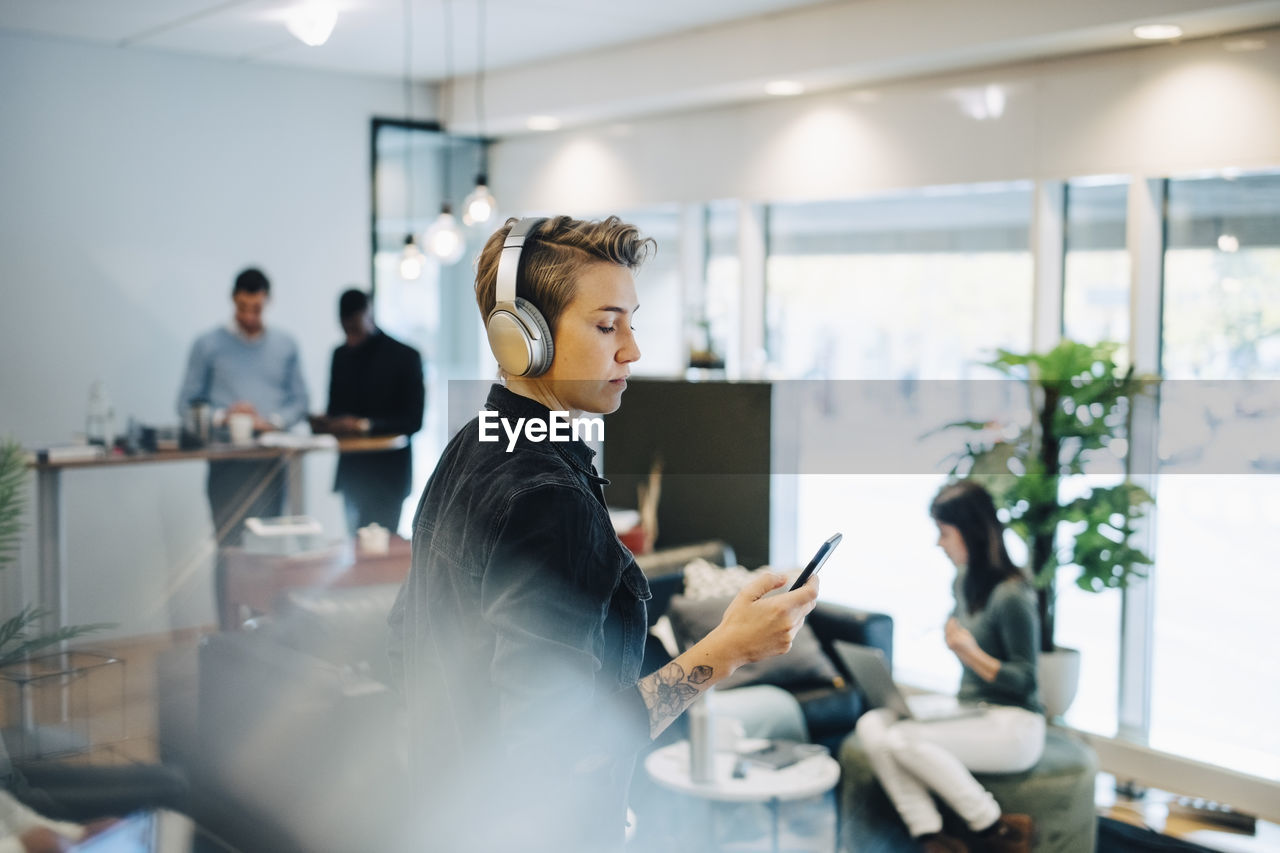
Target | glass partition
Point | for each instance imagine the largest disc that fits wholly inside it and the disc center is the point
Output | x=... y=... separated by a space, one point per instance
x=435 y=312
x=1219 y=484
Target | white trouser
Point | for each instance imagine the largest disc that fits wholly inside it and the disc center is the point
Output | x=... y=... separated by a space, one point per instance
x=911 y=759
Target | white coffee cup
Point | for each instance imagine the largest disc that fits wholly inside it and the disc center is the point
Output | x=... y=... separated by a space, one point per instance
x=241 y=425
x=374 y=539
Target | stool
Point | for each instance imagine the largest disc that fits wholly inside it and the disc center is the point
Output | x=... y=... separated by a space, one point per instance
x=1058 y=792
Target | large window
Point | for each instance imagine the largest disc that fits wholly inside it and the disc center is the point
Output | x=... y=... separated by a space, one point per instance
x=1216 y=583
x=659 y=322
x=1095 y=284
x=1095 y=308
x=900 y=297
x=916 y=285
x=714 y=325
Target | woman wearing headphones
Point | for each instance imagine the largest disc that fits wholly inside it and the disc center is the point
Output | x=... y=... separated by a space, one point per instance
x=519 y=634
x=993 y=631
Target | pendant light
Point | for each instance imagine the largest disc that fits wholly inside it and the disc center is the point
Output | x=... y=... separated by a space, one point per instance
x=411 y=257
x=411 y=260
x=444 y=240
x=479 y=207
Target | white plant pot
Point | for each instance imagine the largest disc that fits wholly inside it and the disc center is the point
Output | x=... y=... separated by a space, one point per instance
x=1059 y=677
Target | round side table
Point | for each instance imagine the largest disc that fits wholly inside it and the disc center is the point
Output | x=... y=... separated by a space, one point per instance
x=809 y=777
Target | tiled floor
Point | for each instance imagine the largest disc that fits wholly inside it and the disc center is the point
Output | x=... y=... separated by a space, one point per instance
x=114 y=707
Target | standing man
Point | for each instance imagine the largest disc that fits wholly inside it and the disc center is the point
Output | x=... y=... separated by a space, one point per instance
x=245 y=367
x=375 y=388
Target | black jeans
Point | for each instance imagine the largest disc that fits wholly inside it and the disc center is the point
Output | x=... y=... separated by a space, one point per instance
x=240 y=489
x=363 y=510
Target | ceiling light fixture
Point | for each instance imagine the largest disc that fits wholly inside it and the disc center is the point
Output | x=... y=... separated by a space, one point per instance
x=411 y=257
x=480 y=205
x=543 y=123
x=312 y=23
x=1157 y=32
x=982 y=103
x=411 y=260
x=443 y=239
x=783 y=88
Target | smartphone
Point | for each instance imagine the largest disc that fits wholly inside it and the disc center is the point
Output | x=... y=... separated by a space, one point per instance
x=819 y=558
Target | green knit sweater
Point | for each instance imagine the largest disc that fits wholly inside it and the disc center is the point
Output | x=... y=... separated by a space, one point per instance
x=1008 y=630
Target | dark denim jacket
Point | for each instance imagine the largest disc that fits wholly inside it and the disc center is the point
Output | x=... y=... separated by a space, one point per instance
x=519 y=636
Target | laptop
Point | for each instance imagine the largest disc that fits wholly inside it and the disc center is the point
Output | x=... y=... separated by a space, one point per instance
x=871 y=672
x=148 y=831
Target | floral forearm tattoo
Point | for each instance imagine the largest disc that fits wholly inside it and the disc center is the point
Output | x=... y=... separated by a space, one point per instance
x=669 y=691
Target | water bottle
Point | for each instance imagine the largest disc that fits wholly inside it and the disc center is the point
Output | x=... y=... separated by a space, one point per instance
x=100 y=427
x=702 y=740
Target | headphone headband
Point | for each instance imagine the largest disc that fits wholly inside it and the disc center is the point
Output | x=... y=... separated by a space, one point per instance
x=509 y=260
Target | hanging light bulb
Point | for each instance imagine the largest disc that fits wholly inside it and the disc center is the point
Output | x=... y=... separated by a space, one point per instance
x=313 y=22
x=411 y=260
x=443 y=239
x=478 y=207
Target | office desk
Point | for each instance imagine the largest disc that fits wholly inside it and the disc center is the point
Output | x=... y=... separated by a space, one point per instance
x=51 y=535
x=255 y=582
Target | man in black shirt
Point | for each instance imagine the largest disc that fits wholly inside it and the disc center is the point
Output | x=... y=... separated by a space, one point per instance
x=375 y=388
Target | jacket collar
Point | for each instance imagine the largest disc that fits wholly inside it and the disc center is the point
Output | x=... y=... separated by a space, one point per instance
x=509 y=404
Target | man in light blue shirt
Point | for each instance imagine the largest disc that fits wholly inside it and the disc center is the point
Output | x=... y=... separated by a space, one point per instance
x=245 y=368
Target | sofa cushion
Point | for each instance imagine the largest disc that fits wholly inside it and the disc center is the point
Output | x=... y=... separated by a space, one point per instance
x=346 y=626
x=805 y=665
x=703 y=579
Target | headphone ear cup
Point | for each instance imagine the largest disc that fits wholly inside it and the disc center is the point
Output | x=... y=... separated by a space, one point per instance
x=543 y=350
x=520 y=339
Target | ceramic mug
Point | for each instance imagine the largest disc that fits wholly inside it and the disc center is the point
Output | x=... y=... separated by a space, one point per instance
x=241 y=426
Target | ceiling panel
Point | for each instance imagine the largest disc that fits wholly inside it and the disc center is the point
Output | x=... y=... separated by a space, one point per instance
x=369 y=35
x=100 y=20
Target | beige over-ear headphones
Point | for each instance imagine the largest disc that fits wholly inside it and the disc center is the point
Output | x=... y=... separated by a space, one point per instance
x=518 y=333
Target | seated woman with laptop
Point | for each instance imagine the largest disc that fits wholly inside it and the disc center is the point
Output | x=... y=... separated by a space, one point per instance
x=993 y=631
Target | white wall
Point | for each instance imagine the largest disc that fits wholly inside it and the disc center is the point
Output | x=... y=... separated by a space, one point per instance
x=1155 y=110
x=133 y=186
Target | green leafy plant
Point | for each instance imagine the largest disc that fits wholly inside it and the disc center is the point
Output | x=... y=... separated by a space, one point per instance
x=1081 y=408
x=19 y=636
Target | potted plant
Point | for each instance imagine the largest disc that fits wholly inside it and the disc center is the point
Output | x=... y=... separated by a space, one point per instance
x=17 y=640
x=1081 y=409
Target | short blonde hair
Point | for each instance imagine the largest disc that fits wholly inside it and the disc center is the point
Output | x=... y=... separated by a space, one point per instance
x=554 y=255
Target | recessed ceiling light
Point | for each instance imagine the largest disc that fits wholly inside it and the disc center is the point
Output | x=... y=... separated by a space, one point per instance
x=543 y=123
x=783 y=88
x=312 y=23
x=1157 y=32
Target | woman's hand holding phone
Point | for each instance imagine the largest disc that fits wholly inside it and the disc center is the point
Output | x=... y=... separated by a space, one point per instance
x=757 y=625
